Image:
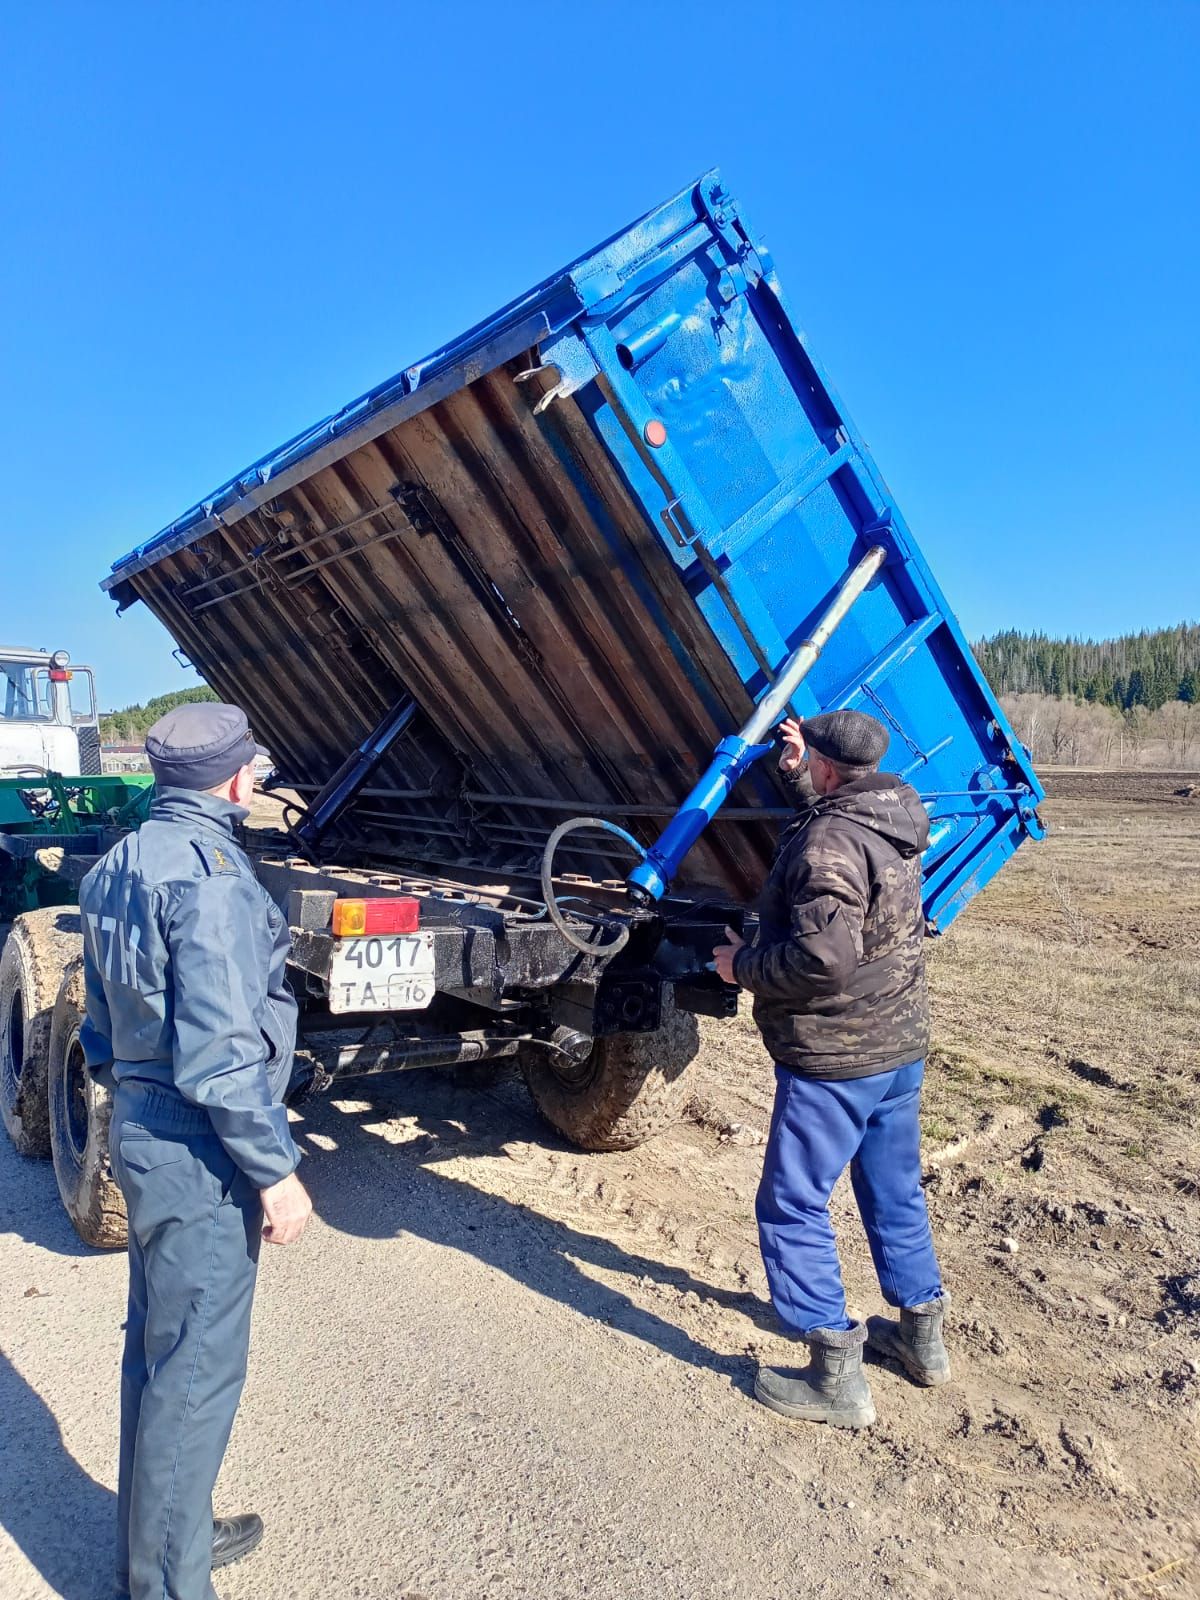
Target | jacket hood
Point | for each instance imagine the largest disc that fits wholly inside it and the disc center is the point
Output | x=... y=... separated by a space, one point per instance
x=885 y=804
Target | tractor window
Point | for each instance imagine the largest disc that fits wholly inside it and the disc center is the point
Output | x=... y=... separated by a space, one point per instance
x=83 y=696
x=26 y=693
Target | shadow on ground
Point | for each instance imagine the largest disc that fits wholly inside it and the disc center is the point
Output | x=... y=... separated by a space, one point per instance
x=372 y=1188
x=30 y=1206
x=56 y=1514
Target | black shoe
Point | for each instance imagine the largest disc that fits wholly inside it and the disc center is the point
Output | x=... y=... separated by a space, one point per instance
x=235 y=1537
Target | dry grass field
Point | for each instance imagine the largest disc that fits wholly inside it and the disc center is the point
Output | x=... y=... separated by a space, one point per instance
x=1062 y=1119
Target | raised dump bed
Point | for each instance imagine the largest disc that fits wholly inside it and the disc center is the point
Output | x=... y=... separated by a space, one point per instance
x=545 y=570
x=566 y=567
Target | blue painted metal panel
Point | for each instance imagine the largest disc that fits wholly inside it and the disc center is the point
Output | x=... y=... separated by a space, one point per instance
x=674 y=345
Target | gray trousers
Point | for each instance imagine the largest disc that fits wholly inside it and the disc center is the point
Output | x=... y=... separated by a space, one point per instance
x=195 y=1226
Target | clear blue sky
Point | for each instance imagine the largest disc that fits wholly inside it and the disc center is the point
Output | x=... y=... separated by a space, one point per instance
x=222 y=221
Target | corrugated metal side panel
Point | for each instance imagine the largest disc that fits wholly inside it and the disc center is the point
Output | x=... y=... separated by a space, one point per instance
x=616 y=266
x=511 y=584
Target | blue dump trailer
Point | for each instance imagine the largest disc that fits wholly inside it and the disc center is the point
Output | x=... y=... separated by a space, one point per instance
x=515 y=626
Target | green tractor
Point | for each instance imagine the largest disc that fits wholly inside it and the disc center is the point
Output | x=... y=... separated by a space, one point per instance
x=53 y=826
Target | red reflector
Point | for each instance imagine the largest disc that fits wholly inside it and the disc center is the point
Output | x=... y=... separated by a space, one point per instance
x=353 y=918
x=655 y=433
x=393 y=916
x=59 y=675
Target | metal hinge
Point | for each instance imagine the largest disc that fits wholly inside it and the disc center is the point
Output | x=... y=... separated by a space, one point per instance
x=721 y=211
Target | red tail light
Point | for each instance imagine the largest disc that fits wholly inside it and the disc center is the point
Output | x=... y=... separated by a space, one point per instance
x=355 y=917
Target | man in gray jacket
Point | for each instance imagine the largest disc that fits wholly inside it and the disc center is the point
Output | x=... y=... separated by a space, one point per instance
x=190 y=1017
x=837 y=972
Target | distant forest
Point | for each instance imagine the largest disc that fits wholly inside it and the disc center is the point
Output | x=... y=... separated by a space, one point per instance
x=131 y=725
x=1147 y=669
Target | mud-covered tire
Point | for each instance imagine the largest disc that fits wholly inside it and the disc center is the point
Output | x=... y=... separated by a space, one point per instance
x=36 y=952
x=80 y=1114
x=632 y=1086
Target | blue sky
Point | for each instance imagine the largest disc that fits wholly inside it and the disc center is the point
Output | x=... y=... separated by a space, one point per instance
x=222 y=221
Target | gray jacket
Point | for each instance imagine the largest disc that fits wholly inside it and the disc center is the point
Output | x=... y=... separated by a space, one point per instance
x=837 y=970
x=185 y=967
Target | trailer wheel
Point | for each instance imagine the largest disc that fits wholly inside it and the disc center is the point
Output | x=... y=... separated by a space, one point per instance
x=38 y=947
x=631 y=1086
x=80 y=1113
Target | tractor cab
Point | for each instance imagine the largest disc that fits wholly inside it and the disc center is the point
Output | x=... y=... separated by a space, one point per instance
x=48 y=720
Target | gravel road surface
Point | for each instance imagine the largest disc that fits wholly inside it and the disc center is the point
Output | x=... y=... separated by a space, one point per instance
x=455 y=1395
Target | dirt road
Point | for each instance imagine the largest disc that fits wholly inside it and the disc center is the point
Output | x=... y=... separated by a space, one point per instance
x=499 y=1368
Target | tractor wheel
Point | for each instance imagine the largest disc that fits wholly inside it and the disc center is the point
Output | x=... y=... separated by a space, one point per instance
x=38 y=948
x=80 y=1113
x=631 y=1086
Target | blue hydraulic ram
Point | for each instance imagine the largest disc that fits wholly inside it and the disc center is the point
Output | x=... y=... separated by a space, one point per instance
x=734 y=756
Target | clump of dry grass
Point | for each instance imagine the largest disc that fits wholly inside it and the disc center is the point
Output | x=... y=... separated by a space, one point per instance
x=1076 y=968
x=1080 y=929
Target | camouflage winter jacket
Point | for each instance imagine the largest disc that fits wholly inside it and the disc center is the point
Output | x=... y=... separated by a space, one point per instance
x=837 y=969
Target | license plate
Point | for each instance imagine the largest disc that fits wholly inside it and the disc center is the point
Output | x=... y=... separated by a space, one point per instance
x=386 y=972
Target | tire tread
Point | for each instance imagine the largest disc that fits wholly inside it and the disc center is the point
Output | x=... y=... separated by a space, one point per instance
x=90 y=1194
x=637 y=1087
x=39 y=946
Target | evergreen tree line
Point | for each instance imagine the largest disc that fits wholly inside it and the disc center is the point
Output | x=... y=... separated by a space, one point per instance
x=1149 y=669
x=131 y=725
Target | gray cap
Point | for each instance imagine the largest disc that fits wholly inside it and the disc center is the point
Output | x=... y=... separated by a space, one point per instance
x=851 y=738
x=200 y=745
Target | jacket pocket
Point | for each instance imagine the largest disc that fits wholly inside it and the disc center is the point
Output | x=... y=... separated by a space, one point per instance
x=145 y=1153
x=277 y=1024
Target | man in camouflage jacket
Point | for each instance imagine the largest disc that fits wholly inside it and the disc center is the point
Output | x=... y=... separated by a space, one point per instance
x=837 y=971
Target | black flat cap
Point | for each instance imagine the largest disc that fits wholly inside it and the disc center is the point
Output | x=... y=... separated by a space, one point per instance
x=200 y=744
x=851 y=738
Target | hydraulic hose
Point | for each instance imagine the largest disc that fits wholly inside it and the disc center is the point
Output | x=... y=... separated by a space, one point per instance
x=548 y=895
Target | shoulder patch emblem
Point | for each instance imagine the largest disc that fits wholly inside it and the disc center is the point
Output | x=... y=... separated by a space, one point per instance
x=215 y=860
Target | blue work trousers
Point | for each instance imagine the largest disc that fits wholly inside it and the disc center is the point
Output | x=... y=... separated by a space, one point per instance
x=195 y=1227
x=820 y=1126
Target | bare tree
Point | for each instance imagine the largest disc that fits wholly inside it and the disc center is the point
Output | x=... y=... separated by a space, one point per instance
x=1177 y=724
x=1027 y=713
x=1137 y=731
x=1108 y=730
x=1064 y=732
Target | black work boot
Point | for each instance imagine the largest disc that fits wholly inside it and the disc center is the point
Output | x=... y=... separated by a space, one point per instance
x=915 y=1341
x=832 y=1388
x=235 y=1537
